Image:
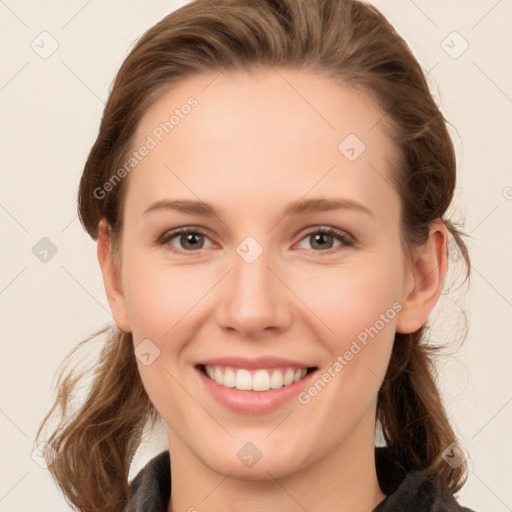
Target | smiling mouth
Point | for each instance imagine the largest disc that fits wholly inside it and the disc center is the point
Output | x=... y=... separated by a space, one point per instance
x=254 y=380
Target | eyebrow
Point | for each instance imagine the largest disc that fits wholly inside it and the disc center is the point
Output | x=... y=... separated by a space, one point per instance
x=301 y=206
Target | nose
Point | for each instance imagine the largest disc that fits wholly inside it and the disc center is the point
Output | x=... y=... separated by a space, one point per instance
x=253 y=300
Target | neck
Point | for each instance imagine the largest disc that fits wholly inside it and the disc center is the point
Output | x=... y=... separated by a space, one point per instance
x=345 y=480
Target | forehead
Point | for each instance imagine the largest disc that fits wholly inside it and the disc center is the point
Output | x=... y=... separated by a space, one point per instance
x=264 y=133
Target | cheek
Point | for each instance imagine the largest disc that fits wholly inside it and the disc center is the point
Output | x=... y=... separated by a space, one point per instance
x=348 y=300
x=358 y=305
x=158 y=295
x=345 y=299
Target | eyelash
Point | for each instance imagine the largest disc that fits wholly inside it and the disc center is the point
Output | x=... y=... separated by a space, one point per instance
x=346 y=239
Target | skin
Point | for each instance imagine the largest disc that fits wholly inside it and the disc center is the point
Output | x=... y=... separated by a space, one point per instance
x=251 y=146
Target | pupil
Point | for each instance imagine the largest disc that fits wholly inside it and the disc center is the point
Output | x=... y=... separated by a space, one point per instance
x=321 y=239
x=191 y=239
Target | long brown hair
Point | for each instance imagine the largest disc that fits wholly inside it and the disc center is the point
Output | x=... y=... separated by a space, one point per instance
x=344 y=39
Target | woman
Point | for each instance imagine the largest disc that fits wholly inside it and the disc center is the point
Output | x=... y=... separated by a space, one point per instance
x=268 y=191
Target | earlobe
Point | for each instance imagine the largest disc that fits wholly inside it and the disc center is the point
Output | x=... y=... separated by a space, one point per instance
x=111 y=278
x=426 y=277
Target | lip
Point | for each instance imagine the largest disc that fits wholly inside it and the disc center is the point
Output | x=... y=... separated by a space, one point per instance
x=254 y=364
x=253 y=402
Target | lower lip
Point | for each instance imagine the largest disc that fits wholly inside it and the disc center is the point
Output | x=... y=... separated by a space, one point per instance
x=254 y=402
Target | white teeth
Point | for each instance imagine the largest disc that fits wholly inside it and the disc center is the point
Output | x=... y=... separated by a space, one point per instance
x=259 y=380
x=288 y=377
x=243 y=380
x=219 y=377
x=229 y=378
x=276 y=380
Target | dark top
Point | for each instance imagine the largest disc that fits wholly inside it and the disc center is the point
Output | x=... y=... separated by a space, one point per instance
x=150 y=490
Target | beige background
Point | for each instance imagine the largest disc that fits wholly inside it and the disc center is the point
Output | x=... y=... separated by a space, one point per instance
x=51 y=109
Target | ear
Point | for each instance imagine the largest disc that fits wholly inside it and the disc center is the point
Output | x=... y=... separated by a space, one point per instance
x=111 y=278
x=425 y=279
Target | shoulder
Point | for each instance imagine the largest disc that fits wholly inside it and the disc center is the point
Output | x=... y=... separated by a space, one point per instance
x=418 y=491
x=151 y=488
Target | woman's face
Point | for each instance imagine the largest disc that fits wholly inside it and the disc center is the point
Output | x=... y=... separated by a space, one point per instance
x=263 y=165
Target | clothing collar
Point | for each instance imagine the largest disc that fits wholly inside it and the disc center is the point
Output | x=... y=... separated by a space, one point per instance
x=150 y=490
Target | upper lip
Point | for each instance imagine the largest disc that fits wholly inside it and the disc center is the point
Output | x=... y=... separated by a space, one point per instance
x=260 y=362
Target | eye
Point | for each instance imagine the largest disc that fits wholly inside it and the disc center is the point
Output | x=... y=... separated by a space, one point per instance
x=324 y=240
x=189 y=239
x=192 y=239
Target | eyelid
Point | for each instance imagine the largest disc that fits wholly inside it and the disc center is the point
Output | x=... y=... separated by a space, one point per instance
x=327 y=229
x=346 y=239
x=167 y=236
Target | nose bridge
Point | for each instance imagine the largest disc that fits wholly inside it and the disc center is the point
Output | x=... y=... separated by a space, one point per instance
x=254 y=299
x=251 y=277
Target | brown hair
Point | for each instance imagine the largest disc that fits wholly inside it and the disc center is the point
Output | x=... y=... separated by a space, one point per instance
x=345 y=39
